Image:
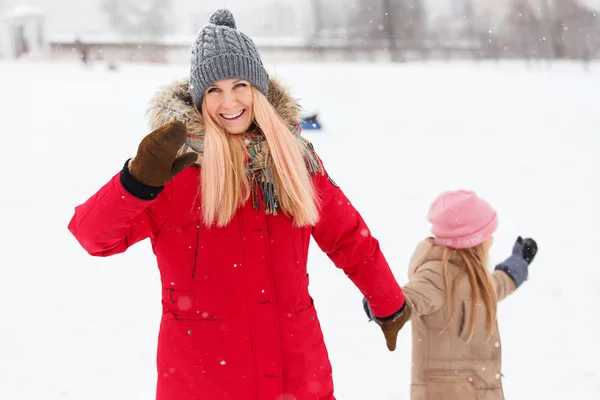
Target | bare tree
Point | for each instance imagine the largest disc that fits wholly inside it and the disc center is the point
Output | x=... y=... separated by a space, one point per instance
x=328 y=22
x=576 y=31
x=318 y=18
x=155 y=18
x=546 y=30
x=146 y=20
x=389 y=28
x=525 y=28
x=473 y=35
x=366 y=22
x=331 y=18
x=399 y=23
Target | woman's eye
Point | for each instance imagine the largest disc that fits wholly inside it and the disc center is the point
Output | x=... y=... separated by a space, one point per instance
x=240 y=85
x=211 y=90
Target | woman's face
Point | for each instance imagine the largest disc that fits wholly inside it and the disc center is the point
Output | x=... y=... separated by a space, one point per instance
x=230 y=104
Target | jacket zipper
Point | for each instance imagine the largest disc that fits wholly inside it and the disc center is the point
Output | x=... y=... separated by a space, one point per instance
x=196 y=252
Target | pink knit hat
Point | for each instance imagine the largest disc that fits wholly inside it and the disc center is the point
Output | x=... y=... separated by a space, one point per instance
x=461 y=220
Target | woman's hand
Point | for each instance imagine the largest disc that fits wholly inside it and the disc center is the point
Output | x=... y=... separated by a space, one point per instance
x=390 y=326
x=156 y=161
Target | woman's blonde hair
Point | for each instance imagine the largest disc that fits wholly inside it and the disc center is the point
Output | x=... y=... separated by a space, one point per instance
x=473 y=263
x=225 y=182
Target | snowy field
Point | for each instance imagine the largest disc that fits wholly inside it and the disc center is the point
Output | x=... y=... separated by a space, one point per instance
x=528 y=140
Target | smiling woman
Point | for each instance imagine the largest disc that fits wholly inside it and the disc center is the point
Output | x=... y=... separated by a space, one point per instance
x=231 y=234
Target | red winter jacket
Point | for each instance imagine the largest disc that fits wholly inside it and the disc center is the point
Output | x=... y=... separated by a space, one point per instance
x=238 y=321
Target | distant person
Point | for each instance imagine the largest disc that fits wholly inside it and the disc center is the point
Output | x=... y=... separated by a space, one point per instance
x=452 y=300
x=230 y=193
x=83 y=51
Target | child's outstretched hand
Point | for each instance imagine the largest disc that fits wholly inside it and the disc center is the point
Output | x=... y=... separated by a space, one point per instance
x=389 y=326
x=528 y=248
x=517 y=265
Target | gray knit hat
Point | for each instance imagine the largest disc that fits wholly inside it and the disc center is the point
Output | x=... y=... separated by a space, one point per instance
x=222 y=52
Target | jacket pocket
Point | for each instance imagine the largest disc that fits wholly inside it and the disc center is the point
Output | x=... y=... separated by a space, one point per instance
x=450 y=384
x=304 y=329
x=192 y=354
x=304 y=306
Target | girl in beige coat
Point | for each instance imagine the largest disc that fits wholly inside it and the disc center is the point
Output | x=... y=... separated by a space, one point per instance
x=452 y=300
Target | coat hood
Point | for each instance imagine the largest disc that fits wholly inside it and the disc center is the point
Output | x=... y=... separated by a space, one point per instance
x=427 y=251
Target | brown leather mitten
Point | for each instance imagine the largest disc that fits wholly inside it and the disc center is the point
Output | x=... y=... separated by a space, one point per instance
x=391 y=328
x=156 y=161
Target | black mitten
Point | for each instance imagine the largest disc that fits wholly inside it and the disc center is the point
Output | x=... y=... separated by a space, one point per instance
x=529 y=248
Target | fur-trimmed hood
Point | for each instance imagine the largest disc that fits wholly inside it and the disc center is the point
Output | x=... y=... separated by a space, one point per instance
x=175 y=102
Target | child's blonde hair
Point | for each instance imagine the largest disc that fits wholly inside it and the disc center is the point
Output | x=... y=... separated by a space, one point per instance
x=225 y=183
x=473 y=263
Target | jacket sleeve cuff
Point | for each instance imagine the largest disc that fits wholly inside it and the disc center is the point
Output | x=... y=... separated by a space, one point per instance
x=516 y=267
x=137 y=188
x=380 y=320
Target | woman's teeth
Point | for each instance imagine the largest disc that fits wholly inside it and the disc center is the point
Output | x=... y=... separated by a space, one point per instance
x=232 y=116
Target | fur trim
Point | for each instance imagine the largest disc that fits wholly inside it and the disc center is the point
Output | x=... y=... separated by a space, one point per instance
x=174 y=102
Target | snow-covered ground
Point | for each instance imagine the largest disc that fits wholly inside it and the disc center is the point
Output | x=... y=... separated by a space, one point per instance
x=78 y=327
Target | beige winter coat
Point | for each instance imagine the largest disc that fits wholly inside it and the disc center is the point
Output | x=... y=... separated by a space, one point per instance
x=444 y=366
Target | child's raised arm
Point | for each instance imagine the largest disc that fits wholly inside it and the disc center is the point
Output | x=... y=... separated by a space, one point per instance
x=512 y=272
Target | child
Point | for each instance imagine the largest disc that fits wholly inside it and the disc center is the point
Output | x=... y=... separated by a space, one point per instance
x=452 y=301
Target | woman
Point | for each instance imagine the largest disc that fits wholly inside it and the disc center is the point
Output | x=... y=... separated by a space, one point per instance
x=231 y=233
